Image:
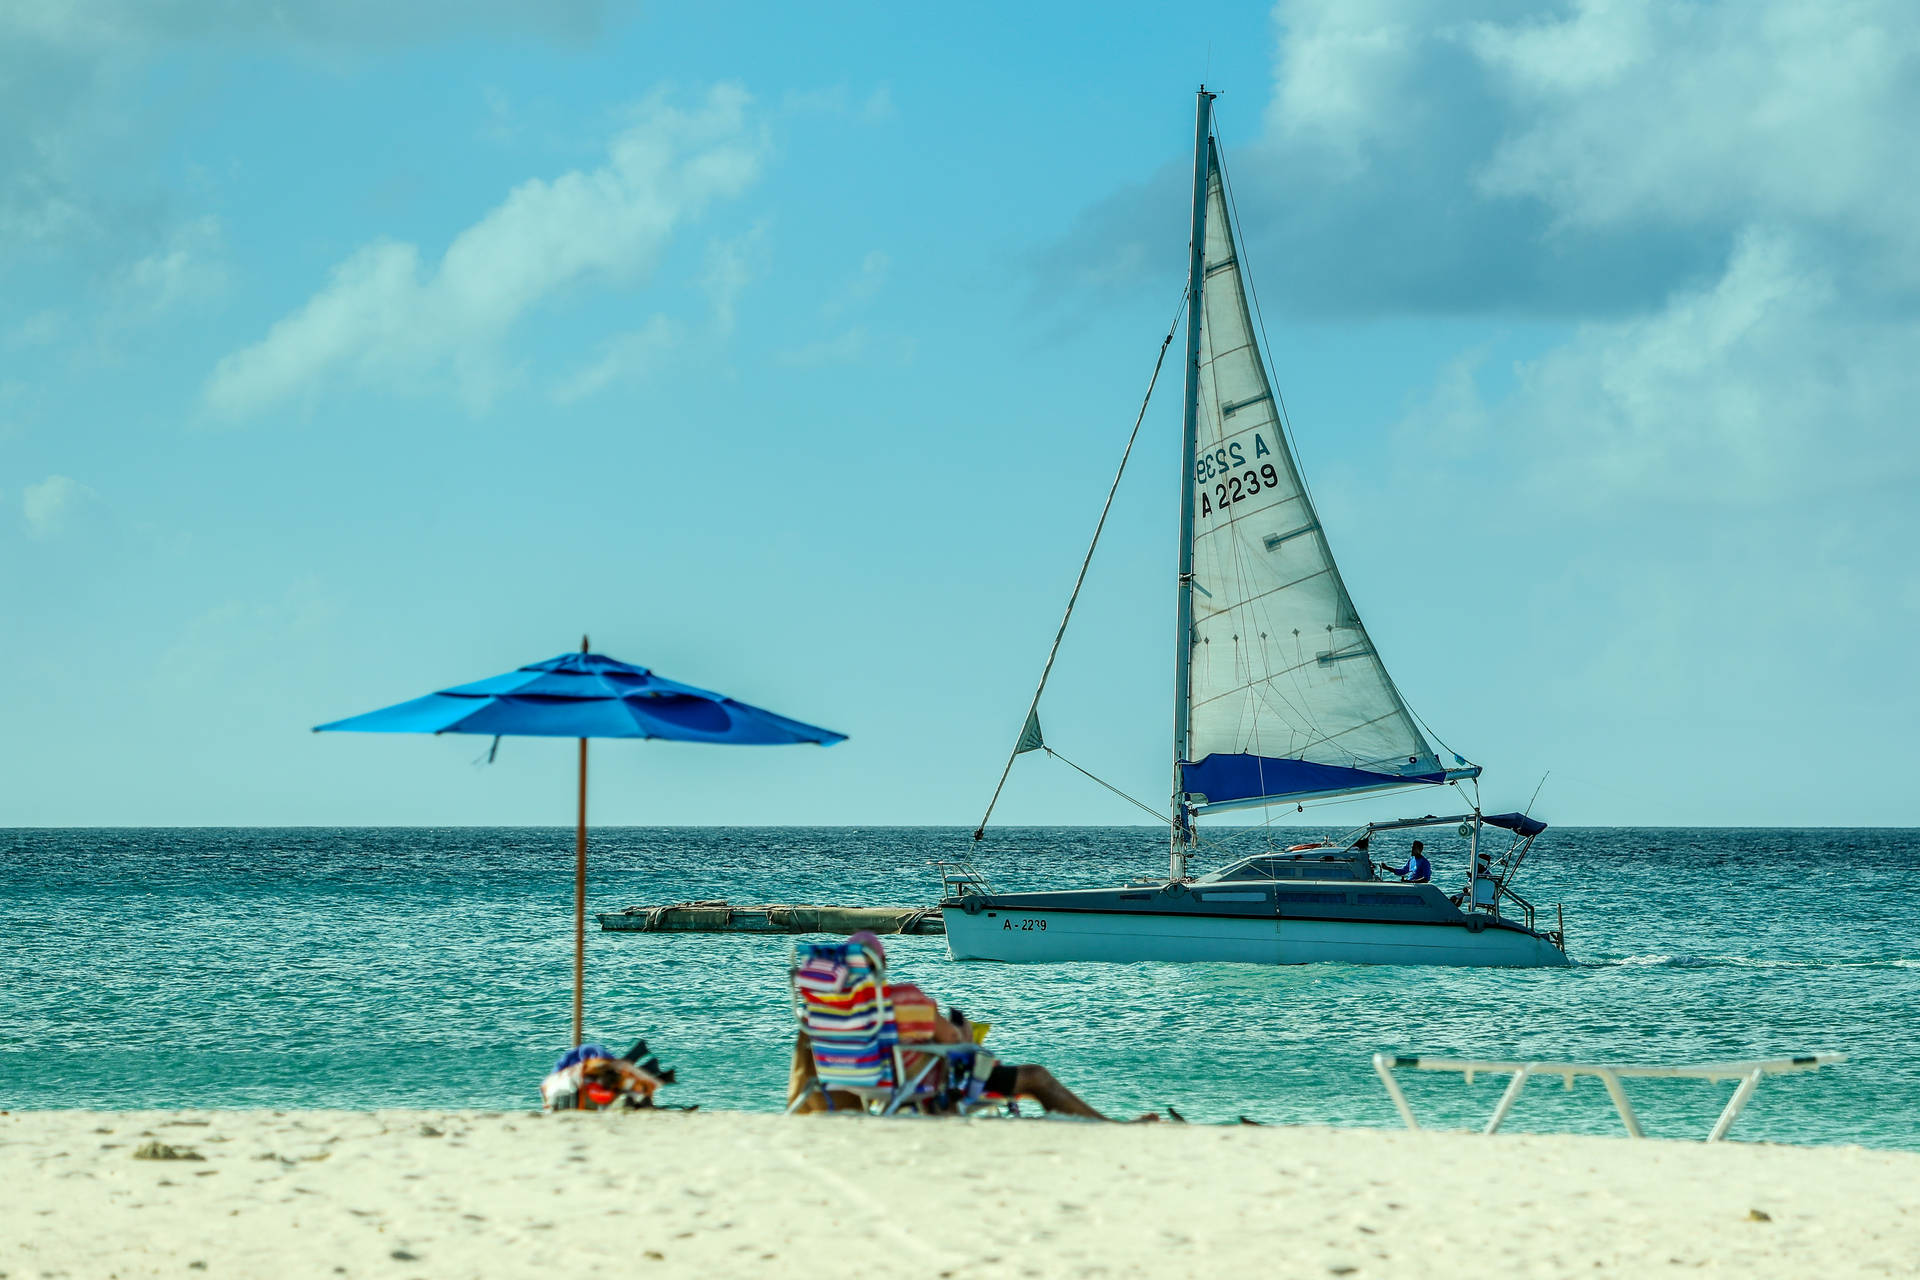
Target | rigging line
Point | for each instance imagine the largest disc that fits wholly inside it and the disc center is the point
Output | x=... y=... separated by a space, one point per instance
x=1435 y=736
x=1047 y=670
x=1528 y=811
x=1236 y=550
x=1307 y=716
x=1266 y=811
x=1259 y=611
x=1246 y=278
x=1276 y=590
x=1225 y=846
x=1155 y=814
x=1300 y=690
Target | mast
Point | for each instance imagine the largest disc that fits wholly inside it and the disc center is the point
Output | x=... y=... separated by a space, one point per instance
x=1183 y=644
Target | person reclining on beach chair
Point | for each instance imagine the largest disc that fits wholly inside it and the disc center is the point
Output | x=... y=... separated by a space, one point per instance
x=863 y=1040
x=590 y=1078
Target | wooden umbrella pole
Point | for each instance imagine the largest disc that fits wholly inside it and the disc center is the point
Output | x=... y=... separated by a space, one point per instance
x=580 y=900
x=580 y=906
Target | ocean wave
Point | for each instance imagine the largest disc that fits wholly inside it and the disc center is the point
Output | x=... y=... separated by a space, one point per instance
x=1656 y=960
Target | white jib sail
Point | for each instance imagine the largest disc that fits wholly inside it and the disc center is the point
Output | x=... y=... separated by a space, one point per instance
x=1283 y=670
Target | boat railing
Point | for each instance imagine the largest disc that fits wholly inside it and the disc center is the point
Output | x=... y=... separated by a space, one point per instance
x=1526 y=908
x=958 y=878
x=1748 y=1073
x=1557 y=936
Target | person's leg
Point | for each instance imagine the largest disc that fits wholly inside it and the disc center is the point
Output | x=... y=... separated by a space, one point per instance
x=1038 y=1083
x=1028 y=1081
x=801 y=1074
x=1033 y=1081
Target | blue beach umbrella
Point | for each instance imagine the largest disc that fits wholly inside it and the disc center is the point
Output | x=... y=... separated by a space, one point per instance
x=586 y=695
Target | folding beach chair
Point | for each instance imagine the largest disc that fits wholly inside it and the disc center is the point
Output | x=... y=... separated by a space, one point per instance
x=853 y=1028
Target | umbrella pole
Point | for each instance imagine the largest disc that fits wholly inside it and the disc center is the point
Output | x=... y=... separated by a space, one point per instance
x=580 y=906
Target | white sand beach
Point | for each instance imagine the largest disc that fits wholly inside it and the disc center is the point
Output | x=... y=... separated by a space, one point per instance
x=412 y=1193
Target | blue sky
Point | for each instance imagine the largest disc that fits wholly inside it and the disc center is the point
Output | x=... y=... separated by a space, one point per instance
x=351 y=351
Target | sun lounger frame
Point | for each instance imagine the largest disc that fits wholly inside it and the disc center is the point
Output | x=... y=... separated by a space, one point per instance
x=1748 y=1073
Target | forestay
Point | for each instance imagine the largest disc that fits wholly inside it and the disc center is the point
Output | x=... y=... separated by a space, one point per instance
x=1287 y=697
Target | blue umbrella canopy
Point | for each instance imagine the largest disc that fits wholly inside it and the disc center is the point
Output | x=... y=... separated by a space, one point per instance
x=586 y=695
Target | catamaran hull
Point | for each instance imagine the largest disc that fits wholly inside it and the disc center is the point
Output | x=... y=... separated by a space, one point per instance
x=1054 y=937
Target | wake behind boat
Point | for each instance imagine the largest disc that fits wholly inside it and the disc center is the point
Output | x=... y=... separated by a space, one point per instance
x=1280 y=697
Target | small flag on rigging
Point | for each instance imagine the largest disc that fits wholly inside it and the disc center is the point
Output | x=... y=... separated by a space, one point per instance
x=1030 y=739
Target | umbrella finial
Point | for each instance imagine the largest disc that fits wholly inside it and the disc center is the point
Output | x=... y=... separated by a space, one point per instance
x=583 y=644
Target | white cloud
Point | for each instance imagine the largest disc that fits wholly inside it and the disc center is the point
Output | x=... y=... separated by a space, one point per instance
x=187 y=269
x=37 y=330
x=731 y=267
x=864 y=285
x=1755 y=388
x=75 y=80
x=878 y=105
x=16 y=403
x=1343 y=69
x=247 y=639
x=843 y=348
x=623 y=356
x=50 y=504
x=339 y=23
x=388 y=317
x=1572 y=159
x=502 y=125
x=1614 y=111
x=838 y=100
x=1716 y=114
x=50 y=106
x=1718 y=199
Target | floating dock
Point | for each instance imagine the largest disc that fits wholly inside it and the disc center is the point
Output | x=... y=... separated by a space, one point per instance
x=723 y=917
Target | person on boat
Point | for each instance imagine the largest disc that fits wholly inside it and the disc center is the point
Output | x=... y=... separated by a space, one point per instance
x=1416 y=869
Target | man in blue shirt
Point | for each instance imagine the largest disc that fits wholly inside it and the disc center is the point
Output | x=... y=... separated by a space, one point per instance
x=1416 y=870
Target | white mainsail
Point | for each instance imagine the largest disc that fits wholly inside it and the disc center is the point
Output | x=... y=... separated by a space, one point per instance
x=1286 y=696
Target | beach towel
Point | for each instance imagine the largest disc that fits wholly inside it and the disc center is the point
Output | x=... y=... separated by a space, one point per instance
x=914 y=1012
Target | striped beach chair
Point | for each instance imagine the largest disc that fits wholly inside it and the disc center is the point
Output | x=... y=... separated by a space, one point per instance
x=853 y=1029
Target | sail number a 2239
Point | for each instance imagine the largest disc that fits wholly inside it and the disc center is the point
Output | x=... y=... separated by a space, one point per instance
x=1226 y=474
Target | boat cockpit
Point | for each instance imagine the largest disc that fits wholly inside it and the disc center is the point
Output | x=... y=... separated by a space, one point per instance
x=1347 y=864
x=1488 y=889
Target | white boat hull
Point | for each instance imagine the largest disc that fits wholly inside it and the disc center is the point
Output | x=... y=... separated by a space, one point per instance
x=1053 y=937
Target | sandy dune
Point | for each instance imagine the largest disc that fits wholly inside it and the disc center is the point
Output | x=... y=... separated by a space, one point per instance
x=432 y=1194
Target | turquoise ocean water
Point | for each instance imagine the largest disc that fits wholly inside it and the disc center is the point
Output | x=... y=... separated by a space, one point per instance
x=430 y=967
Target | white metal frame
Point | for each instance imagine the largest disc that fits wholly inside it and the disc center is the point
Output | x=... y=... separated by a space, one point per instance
x=1749 y=1074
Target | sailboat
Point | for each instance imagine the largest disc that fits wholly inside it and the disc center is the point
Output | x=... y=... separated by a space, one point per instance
x=1280 y=697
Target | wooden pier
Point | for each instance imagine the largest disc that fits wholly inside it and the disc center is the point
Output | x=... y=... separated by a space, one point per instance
x=714 y=916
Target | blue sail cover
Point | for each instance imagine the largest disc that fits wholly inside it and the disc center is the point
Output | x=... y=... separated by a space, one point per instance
x=1518 y=823
x=587 y=695
x=1228 y=781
